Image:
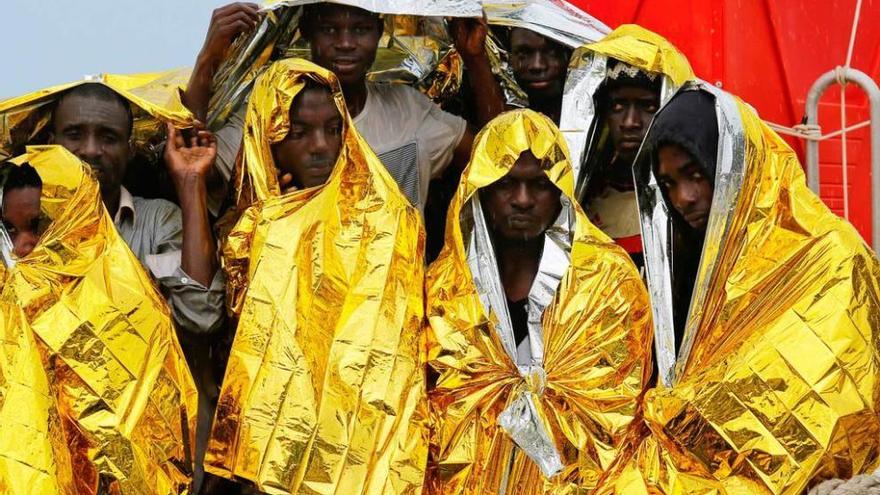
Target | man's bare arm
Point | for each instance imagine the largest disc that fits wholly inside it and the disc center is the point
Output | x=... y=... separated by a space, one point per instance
x=226 y=24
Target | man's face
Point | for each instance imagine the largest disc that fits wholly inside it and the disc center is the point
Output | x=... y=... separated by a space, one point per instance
x=311 y=147
x=97 y=131
x=523 y=203
x=630 y=110
x=344 y=40
x=686 y=185
x=22 y=218
x=539 y=64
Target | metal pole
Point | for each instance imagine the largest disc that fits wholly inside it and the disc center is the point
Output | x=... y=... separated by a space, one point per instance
x=870 y=87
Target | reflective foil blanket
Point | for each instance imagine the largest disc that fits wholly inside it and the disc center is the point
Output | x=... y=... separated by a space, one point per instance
x=776 y=385
x=324 y=391
x=553 y=425
x=95 y=395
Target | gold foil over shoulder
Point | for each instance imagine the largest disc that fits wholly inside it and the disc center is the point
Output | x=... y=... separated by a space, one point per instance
x=775 y=386
x=325 y=389
x=589 y=362
x=95 y=394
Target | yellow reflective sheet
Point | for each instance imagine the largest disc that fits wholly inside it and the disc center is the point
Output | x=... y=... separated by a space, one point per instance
x=781 y=385
x=95 y=395
x=596 y=338
x=645 y=50
x=324 y=390
x=155 y=98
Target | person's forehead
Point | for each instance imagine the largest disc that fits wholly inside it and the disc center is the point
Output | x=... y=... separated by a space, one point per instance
x=23 y=199
x=84 y=110
x=314 y=103
x=527 y=37
x=633 y=92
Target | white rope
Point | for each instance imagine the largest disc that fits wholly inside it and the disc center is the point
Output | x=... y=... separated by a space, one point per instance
x=814 y=132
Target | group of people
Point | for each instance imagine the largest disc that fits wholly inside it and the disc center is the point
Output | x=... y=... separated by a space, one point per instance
x=648 y=301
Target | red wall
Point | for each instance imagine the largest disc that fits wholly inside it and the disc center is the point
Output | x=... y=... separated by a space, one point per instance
x=769 y=52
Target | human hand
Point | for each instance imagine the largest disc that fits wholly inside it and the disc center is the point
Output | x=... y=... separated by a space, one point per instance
x=469 y=36
x=189 y=160
x=227 y=23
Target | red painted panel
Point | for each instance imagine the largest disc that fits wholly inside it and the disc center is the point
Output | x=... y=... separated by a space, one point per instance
x=769 y=52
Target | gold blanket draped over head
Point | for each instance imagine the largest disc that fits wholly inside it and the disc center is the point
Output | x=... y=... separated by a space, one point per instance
x=154 y=99
x=777 y=385
x=95 y=395
x=324 y=390
x=580 y=396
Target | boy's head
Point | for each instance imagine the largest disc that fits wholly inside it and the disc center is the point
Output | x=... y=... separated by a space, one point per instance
x=523 y=204
x=630 y=99
x=685 y=142
x=539 y=64
x=309 y=150
x=22 y=217
x=343 y=39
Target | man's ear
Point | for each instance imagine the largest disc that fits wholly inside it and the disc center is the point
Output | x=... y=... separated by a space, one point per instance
x=51 y=137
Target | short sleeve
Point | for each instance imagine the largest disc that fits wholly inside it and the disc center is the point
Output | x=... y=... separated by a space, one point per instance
x=439 y=135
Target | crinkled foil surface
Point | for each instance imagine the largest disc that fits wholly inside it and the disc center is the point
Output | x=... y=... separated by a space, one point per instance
x=590 y=345
x=95 y=395
x=155 y=97
x=416 y=48
x=324 y=391
x=777 y=385
x=632 y=45
x=555 y=19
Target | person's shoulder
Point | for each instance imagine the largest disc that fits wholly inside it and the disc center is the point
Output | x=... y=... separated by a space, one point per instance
x=395 y=94
x=155 y=209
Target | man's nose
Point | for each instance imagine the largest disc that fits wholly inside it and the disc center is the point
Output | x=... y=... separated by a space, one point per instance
x=89 y=148
x=25 y=242
x=320 y=143
x=522 y=197
x=537 y=63
x=345 y=40
x=631 y=118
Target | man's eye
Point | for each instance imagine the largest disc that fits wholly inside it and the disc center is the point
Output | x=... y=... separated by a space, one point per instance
x=335 y=129
x=361 y=30
x=696 y=175
x=72 y=134
x=328 y=30
x=109 y=139
x=617 y=106
x=650 y=107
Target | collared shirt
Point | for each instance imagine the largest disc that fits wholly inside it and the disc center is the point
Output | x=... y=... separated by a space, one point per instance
x=153 y=230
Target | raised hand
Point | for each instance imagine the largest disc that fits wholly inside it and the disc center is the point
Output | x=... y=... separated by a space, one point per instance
x=469 y=36
x=227 y=23
x=189 y=160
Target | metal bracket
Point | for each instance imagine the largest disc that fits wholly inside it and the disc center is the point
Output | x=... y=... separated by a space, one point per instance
x=870 y=87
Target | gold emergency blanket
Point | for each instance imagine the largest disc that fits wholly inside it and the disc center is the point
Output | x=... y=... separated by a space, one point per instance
x=95 y=395
x=568 y=411
x=324 y=390
x=155 y=99
x=632 y=45
x=777 y=384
